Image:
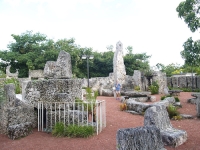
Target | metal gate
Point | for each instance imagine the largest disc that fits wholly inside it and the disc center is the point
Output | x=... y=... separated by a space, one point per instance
x=79 y=113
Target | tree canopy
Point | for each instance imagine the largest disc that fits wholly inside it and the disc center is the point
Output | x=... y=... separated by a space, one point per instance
x=191 y=52
x=189 y=11
x=31 y=51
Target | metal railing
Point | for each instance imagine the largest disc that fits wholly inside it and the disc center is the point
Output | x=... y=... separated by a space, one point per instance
x=79 y=113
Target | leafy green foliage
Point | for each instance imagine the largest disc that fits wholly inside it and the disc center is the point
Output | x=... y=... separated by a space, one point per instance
x=60 y=130
x=2 y=74
x=154 y=88
x=189 y=11
x=16 y=83
x=191 y=52
x=169 y=69
x=163 y=97
x=172 y=111
x=137 y=88
x=79 y=131
x=175 y=97
x=136 y=62
x=31 y=51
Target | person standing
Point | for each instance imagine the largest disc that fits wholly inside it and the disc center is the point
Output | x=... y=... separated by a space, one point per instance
x=117 y=90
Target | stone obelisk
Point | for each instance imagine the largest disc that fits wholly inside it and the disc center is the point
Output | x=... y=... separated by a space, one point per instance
x=118 y=64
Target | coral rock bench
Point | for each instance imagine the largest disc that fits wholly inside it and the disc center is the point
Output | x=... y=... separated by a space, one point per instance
x=157 y=115
x=175 y=92
x=140 y=138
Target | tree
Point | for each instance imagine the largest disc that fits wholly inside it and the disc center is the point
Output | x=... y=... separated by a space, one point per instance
x=32 y=51
x=169 y=69
x=191 y=52
x=189 y=11
x=136 y=62
x=129 y=50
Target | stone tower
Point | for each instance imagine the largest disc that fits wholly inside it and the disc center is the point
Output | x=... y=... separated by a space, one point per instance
x=118 y=64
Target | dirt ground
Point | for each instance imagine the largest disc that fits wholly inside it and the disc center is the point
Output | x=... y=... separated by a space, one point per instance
x=106 y=140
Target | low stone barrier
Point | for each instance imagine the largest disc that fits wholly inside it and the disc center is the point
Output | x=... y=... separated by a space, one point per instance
x=157 y=115
x=140 y=138
x=19 y=130
x=140 y=107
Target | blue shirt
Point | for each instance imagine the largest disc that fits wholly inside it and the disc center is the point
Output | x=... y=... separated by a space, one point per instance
x=117 y=87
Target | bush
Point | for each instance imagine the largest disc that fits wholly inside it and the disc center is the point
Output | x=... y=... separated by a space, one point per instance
x=177 y=99
x=154 y=88
x=16 y=83
x=137 y=88
x=60 y=130
x=163 y=97
x=172 y=111
x=79 y=131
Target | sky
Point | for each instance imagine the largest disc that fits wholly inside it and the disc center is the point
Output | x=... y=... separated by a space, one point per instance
x=149 y=26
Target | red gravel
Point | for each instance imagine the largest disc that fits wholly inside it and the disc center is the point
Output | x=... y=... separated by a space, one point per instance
x=106 y=140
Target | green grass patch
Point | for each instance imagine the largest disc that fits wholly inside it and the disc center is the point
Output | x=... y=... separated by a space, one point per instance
x=60 y=130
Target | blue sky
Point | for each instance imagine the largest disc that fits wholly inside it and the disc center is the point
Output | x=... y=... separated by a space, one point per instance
x=150 y=26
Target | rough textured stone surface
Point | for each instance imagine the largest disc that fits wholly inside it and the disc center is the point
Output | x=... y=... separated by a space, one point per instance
x=182 y=82
x=152 y=98
x=140 y=99
x=118 y=64
x=175 y=82
x=166 y=102
x=169 y=81
x=19 y=130
x=135 y=94
x=198 y=82
x=185 y=116
x=9 y=74
x=140 y=138
x=139 y=107
x=137 y=77
x=10 y=93
x=193 y=100
x=63 y=66
x=49 y=69
x=189 y=81
x=161 y=79
x=13 y=115
x=158 y=116
x=61 y=69
x=47 y=90
x=36 y=74
x=198 y=106
x=107 y=92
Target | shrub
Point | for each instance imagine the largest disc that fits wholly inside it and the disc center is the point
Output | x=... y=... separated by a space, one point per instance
x=154 y=88
x=59 y=129
x=177 y=117
x=79 y=131
x=137 y=88
x=177 y=99
x=16 y=83
x=172 y=111
x=163 y=97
